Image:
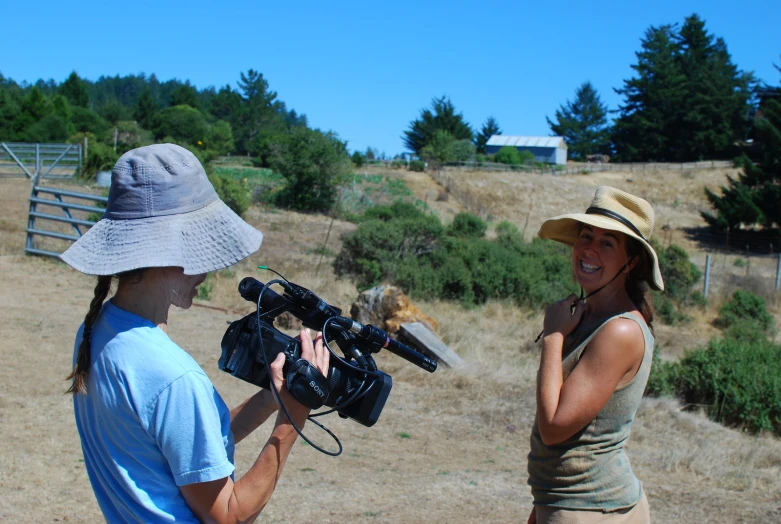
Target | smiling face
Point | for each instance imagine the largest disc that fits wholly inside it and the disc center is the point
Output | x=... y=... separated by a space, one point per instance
x=597 y=256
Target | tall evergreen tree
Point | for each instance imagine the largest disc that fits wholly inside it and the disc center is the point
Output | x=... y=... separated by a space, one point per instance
x=75 y=90
x=753 y=198
x=145 y=110
x=441 y=117
x=489 y=129
x=688 y=100
x=259 y=116
x=713 y=112
x=583 y=123
x=647 y=120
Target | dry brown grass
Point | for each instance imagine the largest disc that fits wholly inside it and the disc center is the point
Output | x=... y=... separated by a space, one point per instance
x=465 y=456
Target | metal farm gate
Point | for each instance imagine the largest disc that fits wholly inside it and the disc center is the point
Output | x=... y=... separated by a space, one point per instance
x=38 y=161
x=51 y=224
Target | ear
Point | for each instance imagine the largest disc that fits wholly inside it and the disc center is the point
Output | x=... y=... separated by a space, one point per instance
x=632 y=264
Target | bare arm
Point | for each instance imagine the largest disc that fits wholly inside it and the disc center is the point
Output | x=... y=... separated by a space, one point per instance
x=566 y=407
x=247 y=416
x=223 y=501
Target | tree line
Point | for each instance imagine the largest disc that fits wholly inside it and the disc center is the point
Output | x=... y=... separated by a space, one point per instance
x=687 y=101
x=116 y=114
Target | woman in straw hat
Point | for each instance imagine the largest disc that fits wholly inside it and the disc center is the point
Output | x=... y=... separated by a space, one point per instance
x=157 y=438
x=596 y=357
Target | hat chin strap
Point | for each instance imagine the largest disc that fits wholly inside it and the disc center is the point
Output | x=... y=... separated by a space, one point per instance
x=582 y=293
x=583 y=297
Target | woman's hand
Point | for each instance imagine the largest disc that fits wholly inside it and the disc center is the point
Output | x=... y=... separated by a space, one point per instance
x=532 y=517
x=315 y=353
x=562 y=317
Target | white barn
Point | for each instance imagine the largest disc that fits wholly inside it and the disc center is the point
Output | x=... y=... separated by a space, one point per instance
x=550 y=149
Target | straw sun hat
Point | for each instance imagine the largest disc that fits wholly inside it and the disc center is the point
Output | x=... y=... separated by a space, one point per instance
x=162 y=212
x=615 y=210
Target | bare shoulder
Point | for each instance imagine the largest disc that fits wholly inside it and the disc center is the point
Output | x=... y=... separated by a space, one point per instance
x=620 y=336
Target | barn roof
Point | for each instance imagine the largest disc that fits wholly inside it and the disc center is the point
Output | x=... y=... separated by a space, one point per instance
x=527 y=141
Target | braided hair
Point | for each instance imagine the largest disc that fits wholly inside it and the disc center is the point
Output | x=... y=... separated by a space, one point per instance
x=80 y=373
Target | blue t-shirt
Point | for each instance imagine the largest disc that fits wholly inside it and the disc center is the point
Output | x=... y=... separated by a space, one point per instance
x=151 y=421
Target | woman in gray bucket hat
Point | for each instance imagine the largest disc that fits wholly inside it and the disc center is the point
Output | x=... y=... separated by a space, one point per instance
x=157 y=438
x=595 y=362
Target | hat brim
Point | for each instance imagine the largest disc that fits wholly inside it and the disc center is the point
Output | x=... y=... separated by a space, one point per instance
x=565 y=229
x=201 y=241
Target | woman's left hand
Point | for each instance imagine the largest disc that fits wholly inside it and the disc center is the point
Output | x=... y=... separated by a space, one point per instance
x=560 y=317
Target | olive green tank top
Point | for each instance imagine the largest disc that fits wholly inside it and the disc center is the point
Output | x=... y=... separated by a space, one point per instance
x=590 y=470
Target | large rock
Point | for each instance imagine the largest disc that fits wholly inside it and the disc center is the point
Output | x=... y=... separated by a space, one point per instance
x=387 y=307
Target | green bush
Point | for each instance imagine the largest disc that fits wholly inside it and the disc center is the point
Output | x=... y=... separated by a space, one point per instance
x=745 y=307
x=737 y=377
x=234 y=193
x=100 y=157
x=467 y=225
x=680 y=277
x=508 y=155
x=400 y=244
x=417 y=165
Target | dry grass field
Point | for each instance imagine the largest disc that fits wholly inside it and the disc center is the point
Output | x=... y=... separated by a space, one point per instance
x=449 y=447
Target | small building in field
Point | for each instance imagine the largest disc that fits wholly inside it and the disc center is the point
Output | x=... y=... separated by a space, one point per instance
x=550 y=149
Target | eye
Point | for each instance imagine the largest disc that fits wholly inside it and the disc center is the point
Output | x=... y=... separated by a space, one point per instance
x=607 y=243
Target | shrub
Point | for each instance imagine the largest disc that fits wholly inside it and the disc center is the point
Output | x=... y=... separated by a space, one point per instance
x=508 y=155
x=680 y=277
x=100 y=157
x=402 y=245
x=234 y=193
x=417 y=165
x=745 y=307
x=737 y=378
x=467 y=225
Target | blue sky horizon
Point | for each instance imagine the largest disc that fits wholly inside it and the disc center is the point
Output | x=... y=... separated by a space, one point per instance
x=365 y=71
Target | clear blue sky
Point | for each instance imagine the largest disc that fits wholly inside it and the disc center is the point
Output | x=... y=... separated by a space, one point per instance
x=365 y=69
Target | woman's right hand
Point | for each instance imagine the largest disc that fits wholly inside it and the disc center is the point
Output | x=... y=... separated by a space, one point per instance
x=316 y=354
x=532 y=517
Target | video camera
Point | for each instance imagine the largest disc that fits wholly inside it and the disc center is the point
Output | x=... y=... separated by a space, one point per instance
x=354 y=388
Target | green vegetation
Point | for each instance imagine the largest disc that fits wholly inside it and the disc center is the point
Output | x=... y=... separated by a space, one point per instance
x=752 y=198
x=512 y=156
x=736 y=378
x=489 y=129
x=680 y=277
x=583 y=124
x=403 y=245
x=441 y=117
x=687 y=100
x=745 y=309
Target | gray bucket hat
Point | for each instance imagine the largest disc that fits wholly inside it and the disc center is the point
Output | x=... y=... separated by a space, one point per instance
x=162 y=212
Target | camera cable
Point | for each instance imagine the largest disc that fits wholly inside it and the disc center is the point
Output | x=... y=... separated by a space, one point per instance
x=276 y=394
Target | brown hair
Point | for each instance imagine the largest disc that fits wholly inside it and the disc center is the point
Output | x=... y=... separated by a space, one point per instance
x=80 y=371
x=636 y=285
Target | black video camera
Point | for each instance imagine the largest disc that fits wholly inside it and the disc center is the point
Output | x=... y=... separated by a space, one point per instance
x=355 y=387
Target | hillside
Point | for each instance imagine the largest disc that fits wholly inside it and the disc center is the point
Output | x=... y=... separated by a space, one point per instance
x=449 y=447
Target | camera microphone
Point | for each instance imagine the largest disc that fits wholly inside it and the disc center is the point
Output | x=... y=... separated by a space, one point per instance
x=379 y=338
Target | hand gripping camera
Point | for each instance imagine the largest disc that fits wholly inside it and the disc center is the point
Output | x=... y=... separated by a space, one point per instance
x=354 y=387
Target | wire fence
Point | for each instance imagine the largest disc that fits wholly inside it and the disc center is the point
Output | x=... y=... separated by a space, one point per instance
x=724 y=273
x=592 y=167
